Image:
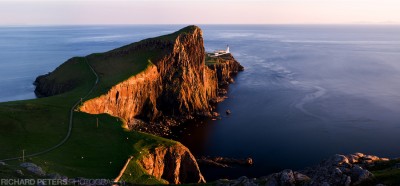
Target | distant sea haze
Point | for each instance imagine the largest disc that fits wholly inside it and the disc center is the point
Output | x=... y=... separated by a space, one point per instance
x=307 y=92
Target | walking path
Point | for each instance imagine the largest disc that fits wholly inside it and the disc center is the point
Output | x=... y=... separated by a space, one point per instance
x=121 y=173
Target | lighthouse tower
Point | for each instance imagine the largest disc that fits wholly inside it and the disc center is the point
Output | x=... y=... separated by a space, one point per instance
x=227 y=49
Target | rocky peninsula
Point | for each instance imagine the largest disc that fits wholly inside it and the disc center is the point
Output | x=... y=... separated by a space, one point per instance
x=174 y=84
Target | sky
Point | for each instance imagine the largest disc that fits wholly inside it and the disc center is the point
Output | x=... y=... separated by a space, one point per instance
x=83 y=12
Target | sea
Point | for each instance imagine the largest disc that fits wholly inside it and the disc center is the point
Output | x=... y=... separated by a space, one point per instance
x=308 y=91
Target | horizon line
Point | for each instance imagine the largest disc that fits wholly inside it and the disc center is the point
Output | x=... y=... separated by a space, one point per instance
x=179 y=24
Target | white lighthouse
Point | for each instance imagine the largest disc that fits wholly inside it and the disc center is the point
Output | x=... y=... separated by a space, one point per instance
x=219 y=52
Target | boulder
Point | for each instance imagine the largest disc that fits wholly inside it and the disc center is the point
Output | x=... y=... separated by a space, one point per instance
x=33 y=168
x=301 y=178
x=338 y=159
x=360 y=175
x=287 y=177
x=371 y=157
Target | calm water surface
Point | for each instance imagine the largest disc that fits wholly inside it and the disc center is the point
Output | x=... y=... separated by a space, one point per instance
x=307 y=92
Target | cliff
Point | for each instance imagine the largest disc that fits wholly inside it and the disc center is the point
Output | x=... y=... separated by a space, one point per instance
x=160 y=80
x=177 y=84
x=175 y=164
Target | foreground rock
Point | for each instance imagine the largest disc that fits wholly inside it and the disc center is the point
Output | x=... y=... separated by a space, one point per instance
x=337 y=170
x=343 y=169
x=175 y=164
x=33 y=168
x=284 y=178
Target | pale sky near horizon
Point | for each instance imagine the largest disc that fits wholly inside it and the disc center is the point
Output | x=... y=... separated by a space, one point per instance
x=76 y=12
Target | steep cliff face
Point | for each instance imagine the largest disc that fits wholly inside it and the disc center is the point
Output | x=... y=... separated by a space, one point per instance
x=178 y=85
x=175 y=164
x=226 y=68
x=135 y=96
x=184 y=77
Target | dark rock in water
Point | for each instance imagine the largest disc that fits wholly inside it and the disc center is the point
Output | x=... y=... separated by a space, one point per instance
x=208 y=162
x=249 y=161
x=228 y=112
x=224 y=162
x=215 y=114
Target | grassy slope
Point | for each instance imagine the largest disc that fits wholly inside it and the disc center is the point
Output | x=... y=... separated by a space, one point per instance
x=91 y=151
x=385 y=173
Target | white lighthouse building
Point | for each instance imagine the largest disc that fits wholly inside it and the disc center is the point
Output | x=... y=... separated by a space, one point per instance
x=219 y=52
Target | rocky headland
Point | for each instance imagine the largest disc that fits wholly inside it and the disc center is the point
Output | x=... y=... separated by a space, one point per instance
x=177 y=85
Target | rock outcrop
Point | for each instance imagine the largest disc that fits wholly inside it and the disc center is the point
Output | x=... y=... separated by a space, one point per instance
x=226 y=68
x=33 y=168
x=178 y=84
x=338 y=170
x=175 y=164
x=343 y=170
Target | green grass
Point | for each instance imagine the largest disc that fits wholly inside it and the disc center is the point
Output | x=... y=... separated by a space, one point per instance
x=91 y=151
x=34 y=125
x=118 y=68
x=211 y=60
x=385 y=172
x=114 y=70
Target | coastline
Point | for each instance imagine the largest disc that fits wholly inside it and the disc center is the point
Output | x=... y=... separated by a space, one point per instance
x=286 y=172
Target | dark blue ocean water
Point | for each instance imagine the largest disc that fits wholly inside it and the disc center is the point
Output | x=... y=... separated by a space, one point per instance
x=307 y=91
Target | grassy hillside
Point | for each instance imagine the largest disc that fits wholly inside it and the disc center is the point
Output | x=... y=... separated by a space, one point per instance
x=92 y=151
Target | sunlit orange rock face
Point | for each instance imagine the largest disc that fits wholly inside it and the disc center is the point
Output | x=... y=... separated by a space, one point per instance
x=174 y=164
x=179 y=84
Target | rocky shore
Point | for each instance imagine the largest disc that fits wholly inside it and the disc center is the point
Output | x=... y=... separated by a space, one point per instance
x=337 y=170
